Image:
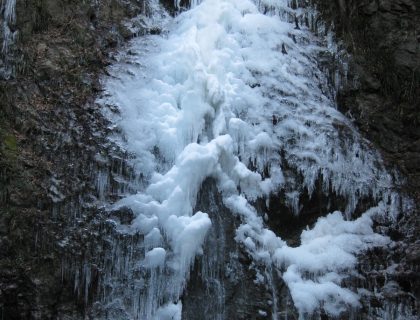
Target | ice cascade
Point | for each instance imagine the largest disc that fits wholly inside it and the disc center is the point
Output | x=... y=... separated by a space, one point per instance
x=231 y=90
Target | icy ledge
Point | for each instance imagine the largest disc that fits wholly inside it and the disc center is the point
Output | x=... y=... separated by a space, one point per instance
x=236 y=95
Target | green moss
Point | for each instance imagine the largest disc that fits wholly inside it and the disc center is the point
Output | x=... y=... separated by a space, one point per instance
x=8 y=150
x=10 y=143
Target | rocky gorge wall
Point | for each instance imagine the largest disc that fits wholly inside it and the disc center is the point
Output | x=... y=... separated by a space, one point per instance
x=379 y=87
x=51 y=134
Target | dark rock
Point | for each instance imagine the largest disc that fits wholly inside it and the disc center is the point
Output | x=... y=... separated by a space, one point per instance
x=155 y=31
x=381 y=92
x=385 y=5
x=124 y=215
x=370 y=8
x=50 y=134
x=223 y=281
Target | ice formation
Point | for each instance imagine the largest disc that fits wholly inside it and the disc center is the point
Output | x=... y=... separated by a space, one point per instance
x=231 y=90
x=9 y=35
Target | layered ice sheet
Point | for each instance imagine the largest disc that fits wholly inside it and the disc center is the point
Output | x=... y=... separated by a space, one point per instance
x=231 y=90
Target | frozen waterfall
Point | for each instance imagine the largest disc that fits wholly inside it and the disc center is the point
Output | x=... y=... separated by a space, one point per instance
x=231 y=90
x=9 y=35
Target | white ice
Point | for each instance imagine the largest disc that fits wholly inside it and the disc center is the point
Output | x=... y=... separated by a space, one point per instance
x=215 y=96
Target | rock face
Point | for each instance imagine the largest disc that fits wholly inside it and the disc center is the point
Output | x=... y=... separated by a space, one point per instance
x=51 y=141
x=380 y=90
x=223 y=281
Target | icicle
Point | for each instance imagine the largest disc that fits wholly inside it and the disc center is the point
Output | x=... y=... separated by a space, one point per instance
x=9 y=36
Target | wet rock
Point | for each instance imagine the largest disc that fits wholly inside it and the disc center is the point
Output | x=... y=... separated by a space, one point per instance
x=48 y=176
x=124 y=215
x=385 y=5
x=370 y=8
x=224 y=283
x=385 y=60
x=380 y=91
x=412 y=253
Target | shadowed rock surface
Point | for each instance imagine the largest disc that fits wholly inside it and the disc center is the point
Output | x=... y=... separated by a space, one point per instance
x=51 y=136
x=380 y=90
